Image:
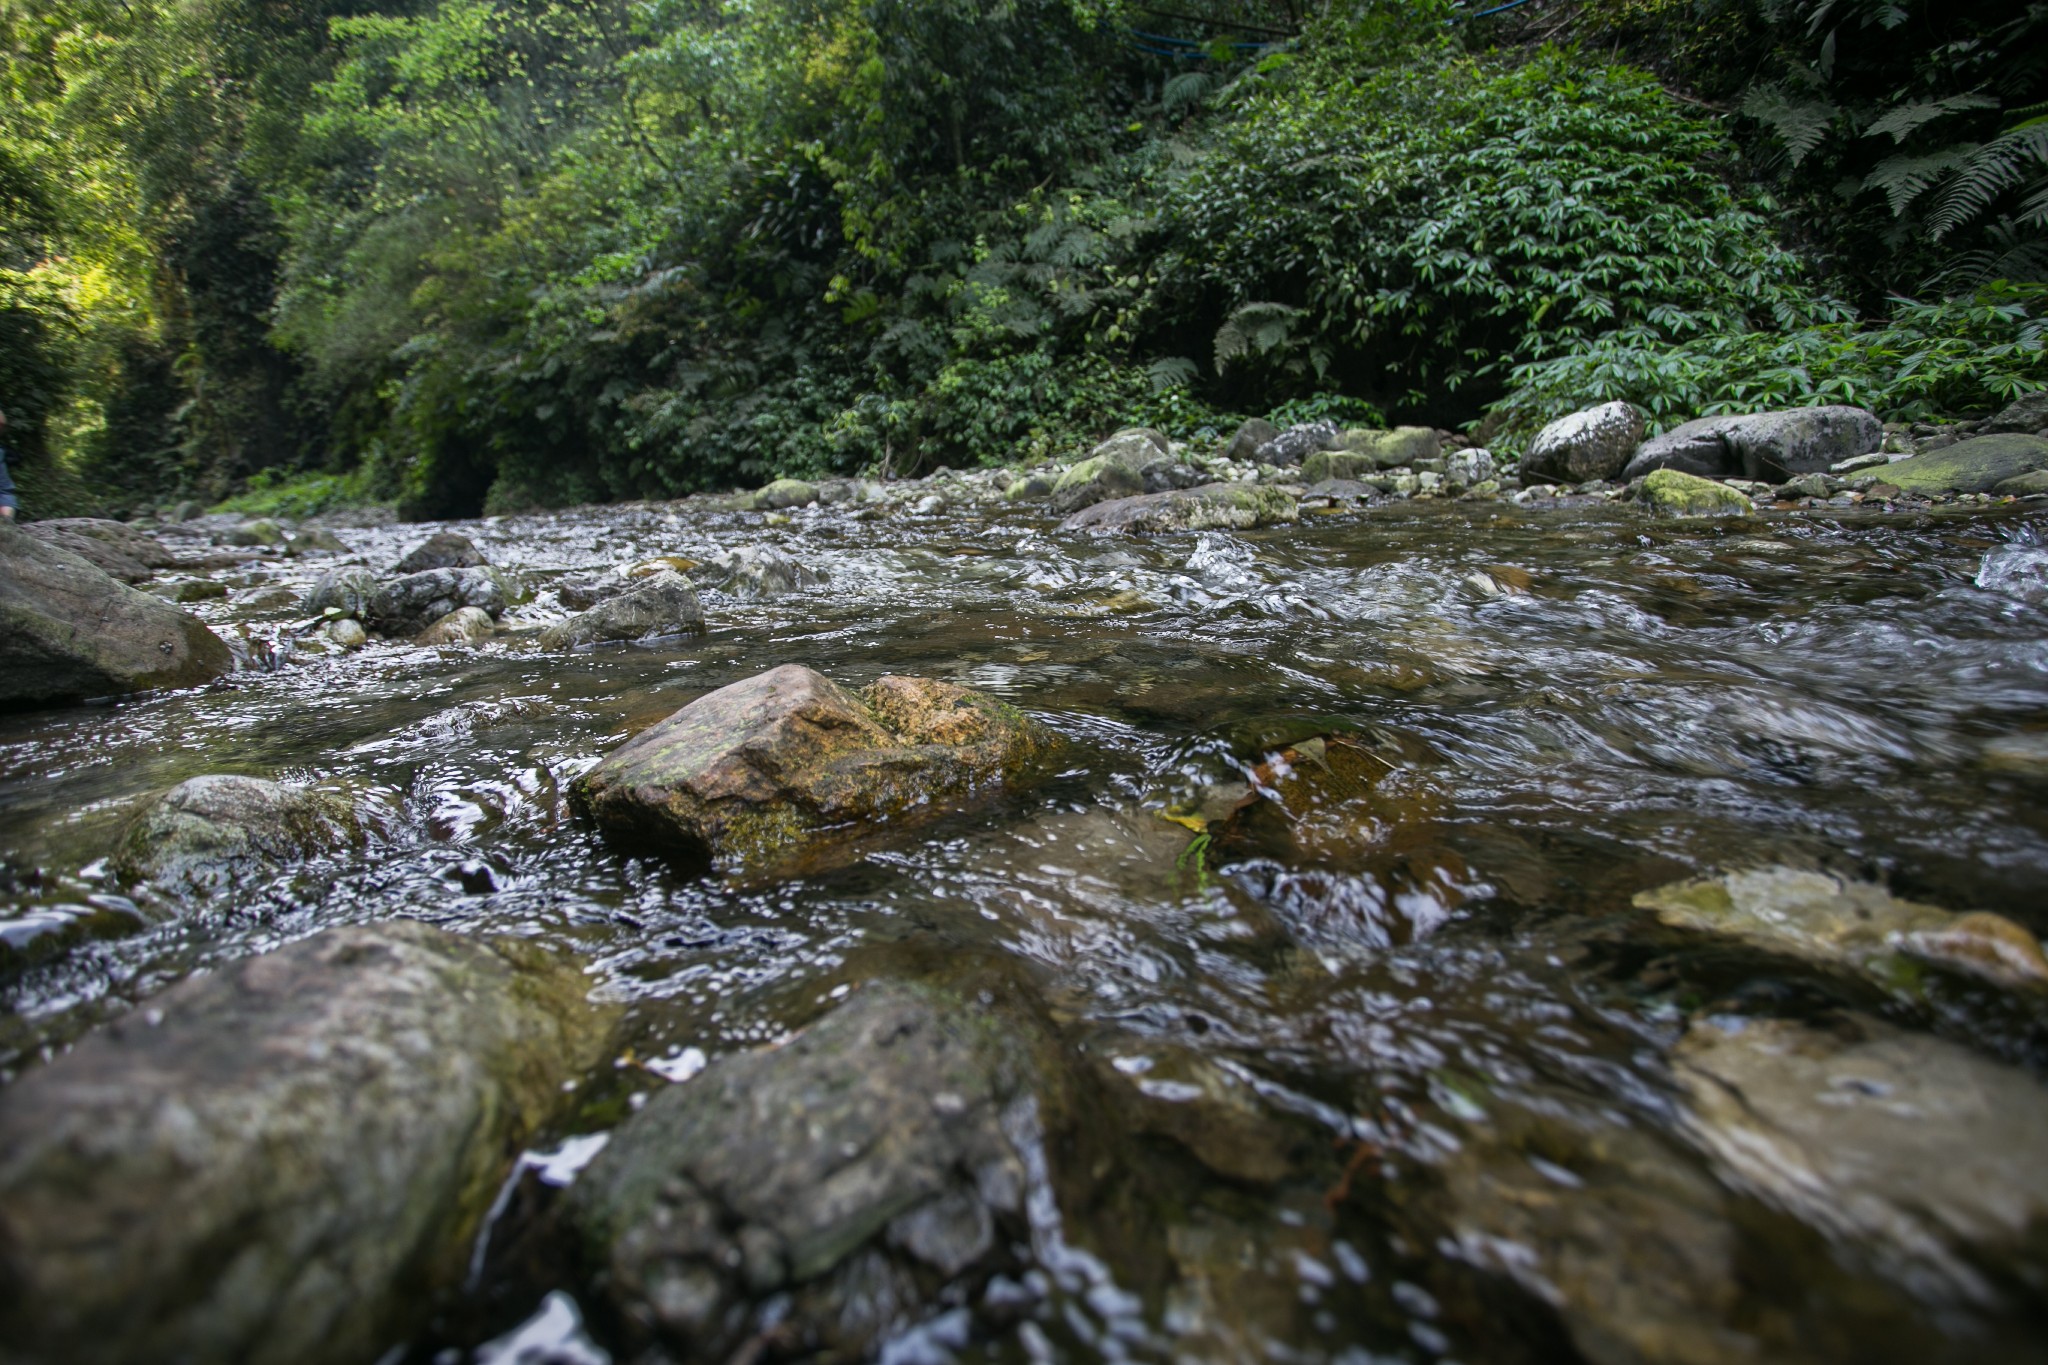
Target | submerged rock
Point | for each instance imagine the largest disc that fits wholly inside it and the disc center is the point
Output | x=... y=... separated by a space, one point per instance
x=1909 y=1152
x=1977 y=465
x=69 y=631
x=1212 y=507
x=1772 y=446
x=1854 y=924
x=849 y=1175
x=208 y=832
x=279 y=1161
x=783 y=494
x=1594 y=444
x=1673 y=494
x=654 y=608
x=463 y=628
x=442 y=550
x=786 y=768
x=405 y=606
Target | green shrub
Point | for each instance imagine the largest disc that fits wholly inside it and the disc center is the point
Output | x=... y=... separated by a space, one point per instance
x=270 y=493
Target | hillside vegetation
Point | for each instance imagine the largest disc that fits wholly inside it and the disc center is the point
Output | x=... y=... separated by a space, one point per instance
x=491 y=256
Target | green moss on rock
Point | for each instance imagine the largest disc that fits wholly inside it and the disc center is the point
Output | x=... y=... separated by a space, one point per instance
x=1673 y=494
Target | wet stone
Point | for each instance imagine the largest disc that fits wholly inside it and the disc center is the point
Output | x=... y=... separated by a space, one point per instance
x=1671 y=493
x=442 y=550
x=343 y=592
x=209 y=832
x=656 y=608
x=1594 y=444
x=1212 y=507
x=784 y=494
x=787 y=769
x=406 y=606
x=463 y=628
x=1977 y=465
x=278 y=1162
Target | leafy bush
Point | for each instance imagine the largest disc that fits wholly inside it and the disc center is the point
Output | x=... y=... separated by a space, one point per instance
x=1943 y=358
x=298 y=496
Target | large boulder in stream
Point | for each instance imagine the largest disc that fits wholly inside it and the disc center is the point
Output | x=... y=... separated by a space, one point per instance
x=69 y=631
x=209 y=832
x=846 y=1177
x=280 y=1161
x=116 y=548
x=1772 y=446
x=441 y=550
x=343 y=592
x=1670 y=493
x=408 y=605
x=1097 y=479
x=1978 y=465
x=1212 y=507
x=786 y=770
x=659 y=607
x=1594 y=444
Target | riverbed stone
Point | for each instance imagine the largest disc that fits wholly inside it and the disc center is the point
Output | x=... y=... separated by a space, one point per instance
x=1350 y=465
x=317 y=540
x=129 y=542
x=343 y=592
x=1391 y=449
x=1773 y=446
x=783 y=494
x=1297 y=443
x=406 y=606
x=463 y=628
x=260 y=534
x=1244 y=443
x=346 y=633
x=1977 y=465
x=279 y=1161
x=1211 y=507
x=652 y=609
x=1911 y=1153
x=1594 y=444
x=1829 y=919
x=867 y=1157
x=108 y=559
x=1671 y=493
x=758 y=571
x=441 y=550
x=208 y=832
x=787 y=769
x=2028 y=414
x=69 y=631
x=1099 y=478
x=1030 y=488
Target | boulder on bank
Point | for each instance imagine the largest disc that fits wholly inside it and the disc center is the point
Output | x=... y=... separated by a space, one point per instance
x=786 y=769
x=1910 y=1153
x=207 y=832
x=108 y=544
x=1244 y=444
x=1769 y=446
x=1977 y=465
x=1594 y=444
x=865 y=1158
x=278 y=1162
x=261 y=534
x=1350 y=465
x=653 y=608
x=1212 y=507
x=1670 y=493
x=68 y=631
x=782 y=495
x=2027 y=414
x=1297 y=443
x=442 y=550
x=406 y=606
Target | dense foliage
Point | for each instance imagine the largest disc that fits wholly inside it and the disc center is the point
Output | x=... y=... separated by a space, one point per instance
x=473 y=254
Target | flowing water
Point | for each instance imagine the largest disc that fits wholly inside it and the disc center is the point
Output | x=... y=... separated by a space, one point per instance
x=1573 y=704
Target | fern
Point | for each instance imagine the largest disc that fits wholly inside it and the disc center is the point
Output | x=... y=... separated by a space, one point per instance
x=1172 y=372
x=1905 y=178
x=1254 y=328
x=1187 y=91
x=2012 y=157
x=1902 y=121
x=1802 y=125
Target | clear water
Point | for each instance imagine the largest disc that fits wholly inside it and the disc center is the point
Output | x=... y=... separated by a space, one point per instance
x=1620 y=704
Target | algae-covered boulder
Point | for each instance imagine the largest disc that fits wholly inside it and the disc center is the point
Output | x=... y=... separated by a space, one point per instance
x=442 y=550
x=282 y=1160
x=1913 y=1155
x=69 y=631
x=1390 y=449
x=1977 y=465
x=1134 y=446
x=406 y=606
x=1772 y=446
x=1339 y=464
x=866 y=1157
x=657 y=607
x=343 y=592
x=1670 y=493
x=208 y=832
x=1212 y=507
x=782 y=495
x=1098 y=478
x=1030 y=488
x=261 y=534
x=1856 y=924
x=786 y=769
x=1594 y=444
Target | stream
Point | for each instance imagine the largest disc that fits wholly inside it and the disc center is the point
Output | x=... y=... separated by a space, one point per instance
x=1574 y=704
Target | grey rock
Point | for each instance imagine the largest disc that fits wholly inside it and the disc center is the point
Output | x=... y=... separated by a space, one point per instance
x=755 y=571
x=1028 y=489
x=102 y=556
x=1910 y=1153
x=870 y=1147
x=405 y=606
x=1297 y=443
x=1977 y=465
x=262 y=534
x=347 y=633
x=1594 y=444
x=463 y=628
x=784 y=494
x=1468 y=467
x=343 y=591
x=1243 y=447
x=127 y=541
x=1215 y=506
x=209 y=832
x=1764 y=445
x=317 y=540
x=69 y=631
x=1098 y=478
x=1339 y=490
x=2028 y=413
x=653 y=608
x=581 y=592
x=442 y=550
x=280 y=1161
x=1164 y=473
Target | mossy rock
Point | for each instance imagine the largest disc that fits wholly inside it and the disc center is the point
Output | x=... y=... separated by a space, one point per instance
x=1388 y=449
x=1099 y=478
x=1212 y=507
x=1672 y=494
x=782 y=494
x=1338 y=464
x=209 y=832
x=1978 y=465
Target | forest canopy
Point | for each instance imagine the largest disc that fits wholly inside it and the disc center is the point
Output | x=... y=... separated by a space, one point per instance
x=489 y=256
